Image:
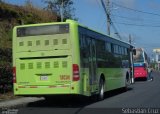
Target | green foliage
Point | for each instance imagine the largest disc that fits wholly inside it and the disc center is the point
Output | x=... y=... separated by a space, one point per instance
x=5 y=70
x=11 y=15
x=64 y=6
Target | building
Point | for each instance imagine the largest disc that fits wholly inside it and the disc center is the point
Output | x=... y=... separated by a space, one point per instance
x=157 y=58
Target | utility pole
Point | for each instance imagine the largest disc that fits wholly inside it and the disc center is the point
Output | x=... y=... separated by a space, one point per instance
x=62 y=4
x=131 y=55
x=107 y=11
x=108 y=16
x=130 y=39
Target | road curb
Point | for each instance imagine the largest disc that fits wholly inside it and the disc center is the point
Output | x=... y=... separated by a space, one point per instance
x=19 y=102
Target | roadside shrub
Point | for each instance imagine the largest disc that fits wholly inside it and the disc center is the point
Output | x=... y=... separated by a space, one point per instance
x=5 y=71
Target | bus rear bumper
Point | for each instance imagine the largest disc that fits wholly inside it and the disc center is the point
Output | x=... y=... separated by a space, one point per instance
x=44 y=90
x=140 y=75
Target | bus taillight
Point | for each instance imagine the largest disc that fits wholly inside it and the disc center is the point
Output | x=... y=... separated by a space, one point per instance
x=75 y=72
x=14 y=74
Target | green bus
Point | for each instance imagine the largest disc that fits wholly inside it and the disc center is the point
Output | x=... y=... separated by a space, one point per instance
x=66 y=58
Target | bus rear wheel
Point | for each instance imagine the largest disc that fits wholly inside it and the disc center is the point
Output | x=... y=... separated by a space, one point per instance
x=101 y=90
x=127 y=81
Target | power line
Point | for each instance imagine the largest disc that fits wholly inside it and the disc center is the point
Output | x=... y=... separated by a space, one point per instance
x=98 y=2
x=114 y=27
x=124 y=17
x=106 y=8
x=107 y=12
x=124 y=35
x=135 y=19
x=136 y=9
x=100 y=16
x=143 y=25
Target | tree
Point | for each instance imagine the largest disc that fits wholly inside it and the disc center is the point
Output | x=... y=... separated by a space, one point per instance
x=28 y=3
x=63 y=8
x=1 y=1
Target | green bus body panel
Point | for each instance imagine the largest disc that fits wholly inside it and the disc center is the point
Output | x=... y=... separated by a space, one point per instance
x=115 y=77
x=43 y=43
x=44 y=63
x=31 y=71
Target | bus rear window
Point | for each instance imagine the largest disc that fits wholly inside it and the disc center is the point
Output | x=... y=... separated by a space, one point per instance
x=139 y=56
x=42 y=30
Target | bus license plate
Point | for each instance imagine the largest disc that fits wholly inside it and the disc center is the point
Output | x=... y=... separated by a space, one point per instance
x=44 y=78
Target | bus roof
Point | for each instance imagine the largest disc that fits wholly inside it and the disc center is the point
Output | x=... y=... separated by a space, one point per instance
x=72 y=21
x=75 y=22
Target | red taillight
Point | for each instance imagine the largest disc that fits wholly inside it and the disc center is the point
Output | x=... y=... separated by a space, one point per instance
x=14 y=74
x=75 y=72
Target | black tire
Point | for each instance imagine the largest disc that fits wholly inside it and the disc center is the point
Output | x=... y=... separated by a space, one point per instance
x=101 y=90
x=127 y=80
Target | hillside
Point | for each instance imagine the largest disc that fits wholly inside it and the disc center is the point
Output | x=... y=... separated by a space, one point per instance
x=10 y=16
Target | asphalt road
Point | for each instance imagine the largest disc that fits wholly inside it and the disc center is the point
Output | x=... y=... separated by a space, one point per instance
x=141 y=97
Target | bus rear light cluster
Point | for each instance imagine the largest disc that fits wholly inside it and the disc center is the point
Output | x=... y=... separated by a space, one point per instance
x=14 y=74
x=76 y=76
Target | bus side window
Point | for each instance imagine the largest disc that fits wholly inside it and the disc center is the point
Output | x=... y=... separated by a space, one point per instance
x=83 y=51
x=125 y=63
x=108 y=47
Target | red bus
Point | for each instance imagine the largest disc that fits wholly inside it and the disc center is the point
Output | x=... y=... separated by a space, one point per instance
x=141 y=62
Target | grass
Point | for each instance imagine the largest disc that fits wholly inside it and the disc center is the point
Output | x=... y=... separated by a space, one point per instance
x=7 y=96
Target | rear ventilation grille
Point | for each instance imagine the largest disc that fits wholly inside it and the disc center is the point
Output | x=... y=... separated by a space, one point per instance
x=39 y=65
x=46 y=42
x=29 y=43
x=56 y=64
x=22 y=66
x=55 y=42
x=30 y=65
x=21 y=43
x=64 y=64
x=64 y=41
x=37 y=42
x=47 y=64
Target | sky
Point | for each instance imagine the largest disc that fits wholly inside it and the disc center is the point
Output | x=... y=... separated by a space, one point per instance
x=138 y=18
